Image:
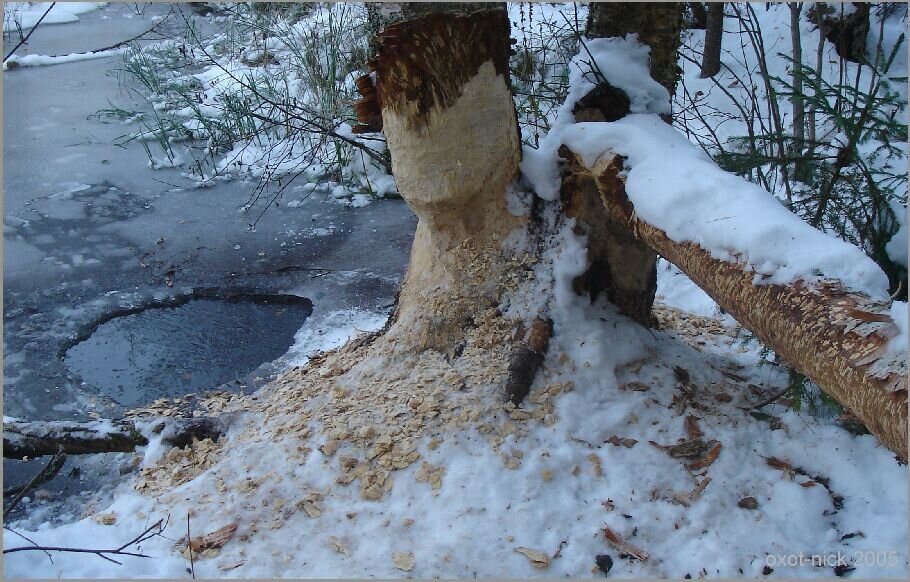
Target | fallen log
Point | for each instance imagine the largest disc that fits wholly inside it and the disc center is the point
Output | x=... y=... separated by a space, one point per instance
x=35 y=439
x=835 y=337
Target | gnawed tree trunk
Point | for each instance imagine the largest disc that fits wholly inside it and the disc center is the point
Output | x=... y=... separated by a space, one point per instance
x=450 y=125
x=835 y=338
x=35 y=439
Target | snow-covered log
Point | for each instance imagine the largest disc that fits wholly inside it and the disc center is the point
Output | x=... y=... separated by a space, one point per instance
x=35 y=439
x=836 y=335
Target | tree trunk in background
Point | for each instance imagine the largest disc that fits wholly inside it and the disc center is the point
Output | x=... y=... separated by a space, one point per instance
x=799 y=107
x=657 y=25
x=835 y=338
x=622 y=268
x=699 y=20
x=714 y=33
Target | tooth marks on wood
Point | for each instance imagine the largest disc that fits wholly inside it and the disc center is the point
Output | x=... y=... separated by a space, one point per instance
x=836 y=338
x=416 y=66
x=369 y=115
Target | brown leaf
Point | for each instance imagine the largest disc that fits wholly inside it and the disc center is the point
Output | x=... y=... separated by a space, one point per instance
x=623 y=546
x=708 y=459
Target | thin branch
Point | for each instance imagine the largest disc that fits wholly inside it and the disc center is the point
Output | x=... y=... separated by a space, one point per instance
x=34 y=28
x=153 y=530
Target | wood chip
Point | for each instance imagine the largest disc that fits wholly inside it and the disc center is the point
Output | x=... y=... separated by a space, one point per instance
x=339 y=546
x=687 y=499
x=403 y=560
x=210 y=541
x=623 y=546
x=537 y=558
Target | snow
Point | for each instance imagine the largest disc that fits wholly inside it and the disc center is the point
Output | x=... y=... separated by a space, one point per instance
x=27 y=14
x=624 y=64
x=554 y=487
x=678 y=189
x=565 y=482
x=44 y=60
x=898 y=344
x=675 y=187
x=675 y=289
x=897 y=246
x=326 y=332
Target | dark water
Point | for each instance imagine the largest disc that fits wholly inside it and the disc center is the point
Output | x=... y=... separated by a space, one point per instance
x=197 y=346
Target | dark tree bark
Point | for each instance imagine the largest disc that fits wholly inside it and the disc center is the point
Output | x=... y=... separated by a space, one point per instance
x=699 y=16
x=714 y=33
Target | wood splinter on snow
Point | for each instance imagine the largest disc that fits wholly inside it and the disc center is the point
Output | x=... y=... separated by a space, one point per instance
x=623 y=546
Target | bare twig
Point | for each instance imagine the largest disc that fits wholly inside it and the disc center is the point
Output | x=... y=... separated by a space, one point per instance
x=190 y=546
x=766 y=401
x=153 y=530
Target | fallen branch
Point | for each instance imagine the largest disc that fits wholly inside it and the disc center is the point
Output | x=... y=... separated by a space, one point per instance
x=36 y=439
x=150 y=532
x=34 y=28
x=526 y=357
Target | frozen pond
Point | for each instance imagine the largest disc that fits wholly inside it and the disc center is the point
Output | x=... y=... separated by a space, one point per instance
x=172 y=351
x=91 y=232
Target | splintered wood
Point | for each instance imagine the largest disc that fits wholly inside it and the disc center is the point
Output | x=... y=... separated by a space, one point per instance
x=367 y=409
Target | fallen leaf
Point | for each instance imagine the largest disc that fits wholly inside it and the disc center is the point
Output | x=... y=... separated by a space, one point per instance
x=708 y=459
x=692 y=429
x=537 y=558
x=748 y=503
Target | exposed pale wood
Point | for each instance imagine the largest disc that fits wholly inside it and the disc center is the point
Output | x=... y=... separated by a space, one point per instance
x=836 y=338
x=450 y=125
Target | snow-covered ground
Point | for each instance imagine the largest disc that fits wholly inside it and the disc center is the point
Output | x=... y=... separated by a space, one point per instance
x=488 y=495
x=480 y=489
